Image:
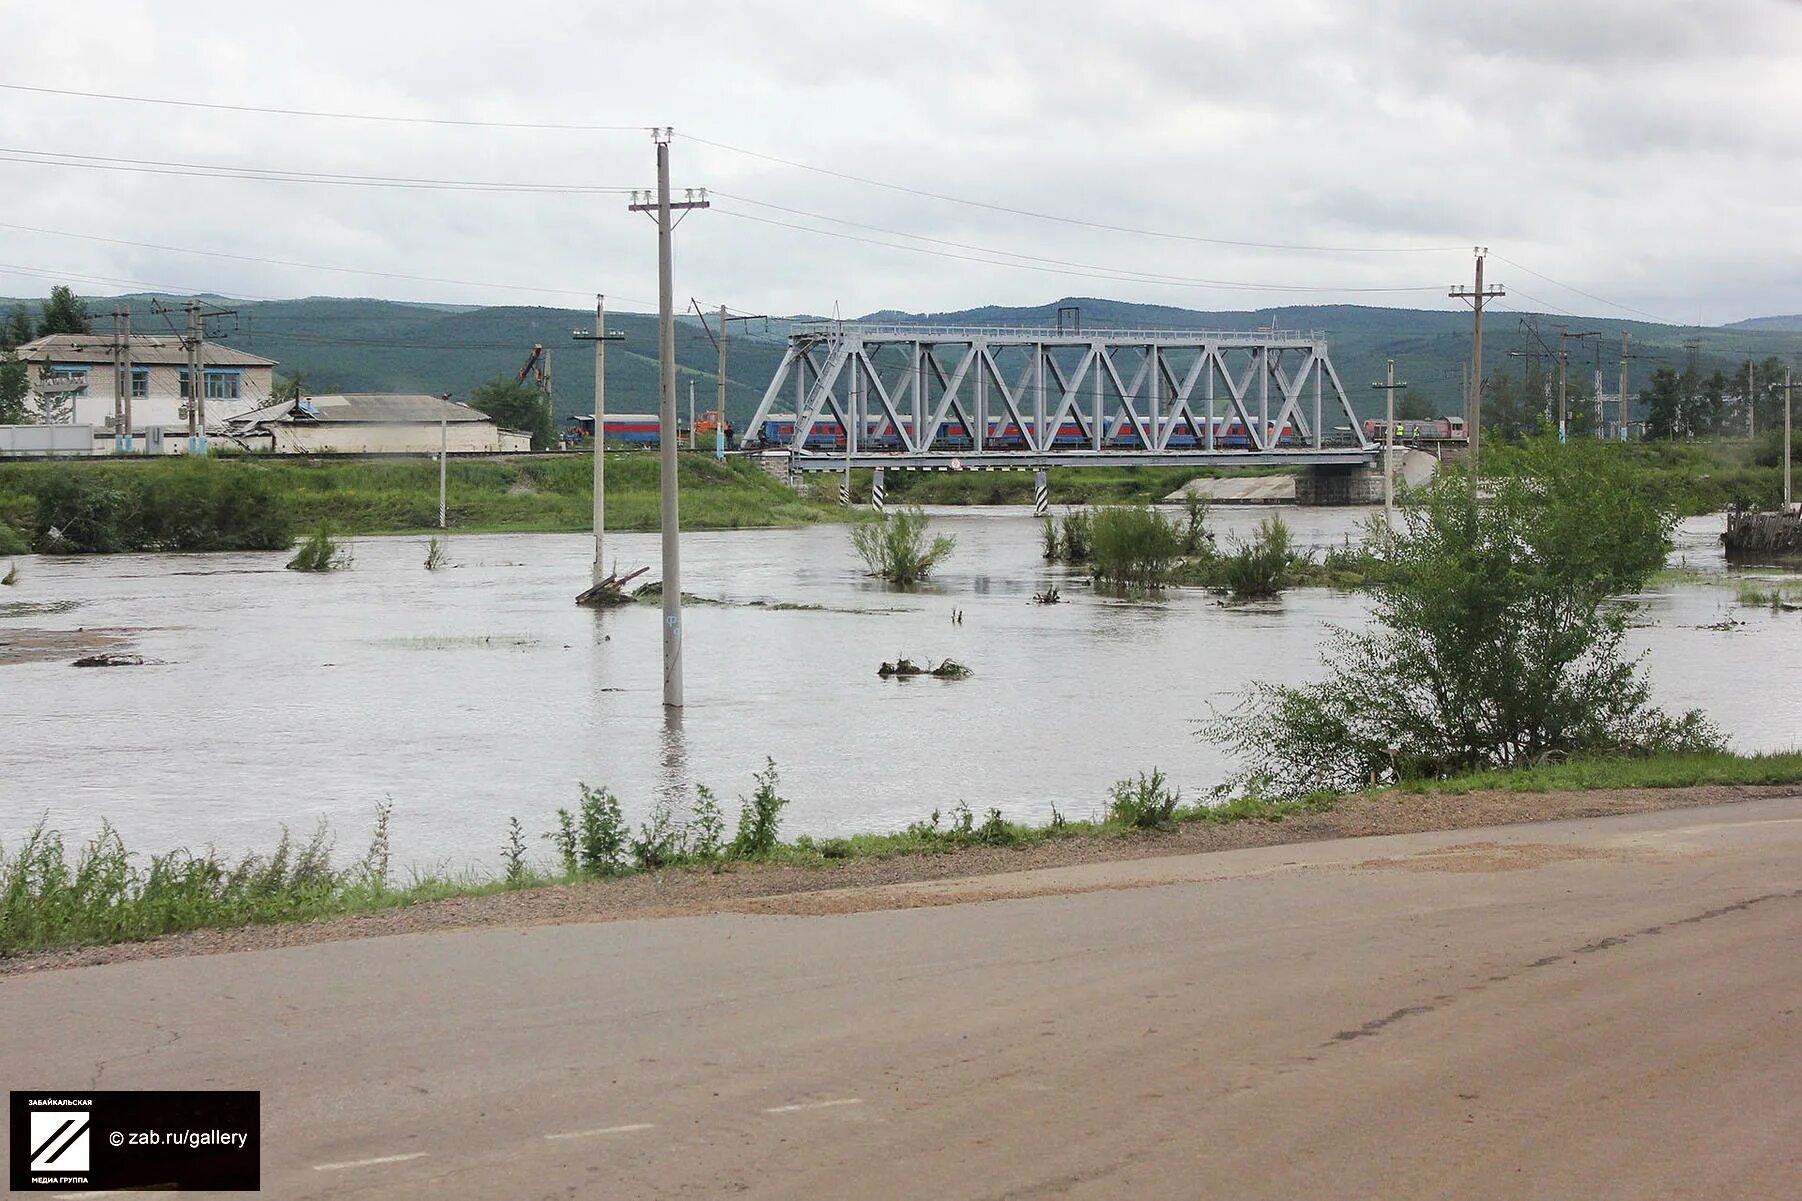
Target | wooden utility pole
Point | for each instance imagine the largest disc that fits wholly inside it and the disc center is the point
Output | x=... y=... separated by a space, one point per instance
x=1389 y=386
x=600 y=337
x=1623 y=430
x=666 y=379
x=1473 y=401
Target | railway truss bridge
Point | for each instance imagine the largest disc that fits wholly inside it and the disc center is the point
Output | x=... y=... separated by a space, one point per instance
x=937 y=397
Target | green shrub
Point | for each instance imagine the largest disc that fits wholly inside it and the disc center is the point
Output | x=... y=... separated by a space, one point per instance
x=1074 y=535
x=894 y=546
x=1134 y=546
x=319 y=553
x=1144 y=802
x=759 y=816
x=1261 y=567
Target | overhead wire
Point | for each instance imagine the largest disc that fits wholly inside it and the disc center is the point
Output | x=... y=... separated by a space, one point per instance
x=49 y=158
x=1120 y=276
x=335 y=116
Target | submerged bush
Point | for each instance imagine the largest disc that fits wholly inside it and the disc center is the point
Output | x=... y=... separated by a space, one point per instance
x=320 y=552
x=1262 y=567
x=1134 y=546
x=894 y=546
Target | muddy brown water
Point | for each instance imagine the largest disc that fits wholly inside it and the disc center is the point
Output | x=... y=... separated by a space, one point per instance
x=481 y=692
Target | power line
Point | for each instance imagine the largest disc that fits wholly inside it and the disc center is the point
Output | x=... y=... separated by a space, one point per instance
x=1590 y=295
x=301 y=112
x=1105 y=274
x=1148 y=276
x=246 y=258
x=47 y=158
x=1062 y=220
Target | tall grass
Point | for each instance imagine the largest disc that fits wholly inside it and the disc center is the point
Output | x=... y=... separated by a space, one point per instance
x=52 y=895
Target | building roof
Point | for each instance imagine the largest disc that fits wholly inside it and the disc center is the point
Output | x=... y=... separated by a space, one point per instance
x=362 y=408
x=151 y=350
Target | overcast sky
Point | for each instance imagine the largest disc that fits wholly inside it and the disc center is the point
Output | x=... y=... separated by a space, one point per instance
x=1641 y=151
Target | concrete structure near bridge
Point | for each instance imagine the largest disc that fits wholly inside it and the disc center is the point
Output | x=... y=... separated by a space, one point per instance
x=372 y=423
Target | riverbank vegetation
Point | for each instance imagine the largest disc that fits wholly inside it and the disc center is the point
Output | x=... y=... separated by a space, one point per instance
x=1495 y=640
x=235 y=502
x=54 y=893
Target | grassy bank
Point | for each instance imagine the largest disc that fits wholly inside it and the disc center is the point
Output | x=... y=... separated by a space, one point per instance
x=236 y=502
x=54 y=894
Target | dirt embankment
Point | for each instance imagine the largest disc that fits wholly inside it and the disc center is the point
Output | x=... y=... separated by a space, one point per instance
x=784 y=889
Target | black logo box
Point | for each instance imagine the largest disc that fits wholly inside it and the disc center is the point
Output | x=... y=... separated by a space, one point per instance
x=133 y=1164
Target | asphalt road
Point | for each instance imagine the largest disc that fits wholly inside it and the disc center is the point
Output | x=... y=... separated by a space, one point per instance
x=1598 y=1009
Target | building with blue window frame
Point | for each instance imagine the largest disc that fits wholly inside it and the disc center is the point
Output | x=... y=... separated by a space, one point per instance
x=72 y=381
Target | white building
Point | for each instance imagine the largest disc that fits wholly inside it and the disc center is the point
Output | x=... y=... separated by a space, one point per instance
x=371 y=423
x=72 y=382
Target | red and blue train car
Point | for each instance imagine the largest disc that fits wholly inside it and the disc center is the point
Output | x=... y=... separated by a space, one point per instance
x=881 y=434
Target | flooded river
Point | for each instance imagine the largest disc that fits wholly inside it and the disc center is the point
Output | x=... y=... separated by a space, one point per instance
x=481 y=692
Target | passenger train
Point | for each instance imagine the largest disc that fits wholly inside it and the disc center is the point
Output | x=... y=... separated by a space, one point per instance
x=827 y=434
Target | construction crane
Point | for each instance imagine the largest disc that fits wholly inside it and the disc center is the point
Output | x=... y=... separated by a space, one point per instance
x=538 y=366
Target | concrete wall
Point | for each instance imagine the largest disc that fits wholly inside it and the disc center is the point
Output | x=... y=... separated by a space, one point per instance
x=1329 y=485
x=468 y=437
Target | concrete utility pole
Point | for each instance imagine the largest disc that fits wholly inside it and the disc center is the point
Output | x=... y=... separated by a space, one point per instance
x=122 y=381
x=1389 y=386
x=1751 y=400
x=666 y=364
x=719 y=345
x=1564 y=337
x=600 y=337
x=691 y=414
x=1473 y=411
x=1786 y=438
x=1623 y=430
x=196 y=382
x=443 y=455
x=719 y=423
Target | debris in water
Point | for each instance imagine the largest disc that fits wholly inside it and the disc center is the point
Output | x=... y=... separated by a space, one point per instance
x=112 y=660
x=905 y=669
x=1047 y=597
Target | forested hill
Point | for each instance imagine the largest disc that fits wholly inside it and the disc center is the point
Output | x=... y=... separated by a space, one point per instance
x=378 y=345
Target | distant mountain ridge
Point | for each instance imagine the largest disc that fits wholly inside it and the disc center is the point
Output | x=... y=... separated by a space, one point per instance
x=355 y=345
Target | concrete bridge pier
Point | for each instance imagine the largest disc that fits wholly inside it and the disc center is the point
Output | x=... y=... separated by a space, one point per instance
x=1361 y=483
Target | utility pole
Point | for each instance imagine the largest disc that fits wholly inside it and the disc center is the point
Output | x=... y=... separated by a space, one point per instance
x=666 y=379
x=1786 y=438
x=196 y=382
x=1564 y=337
x=719 y=417
x=1751 y=400
x=600 y=337
x=443 y=454
x=691 y=414
x=719 y=344
x=121 y=381
x=1389 y=386
x=1473 y=411
x=1625 y=335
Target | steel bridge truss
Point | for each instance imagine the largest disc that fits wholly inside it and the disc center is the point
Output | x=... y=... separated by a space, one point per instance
x=914 y=396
